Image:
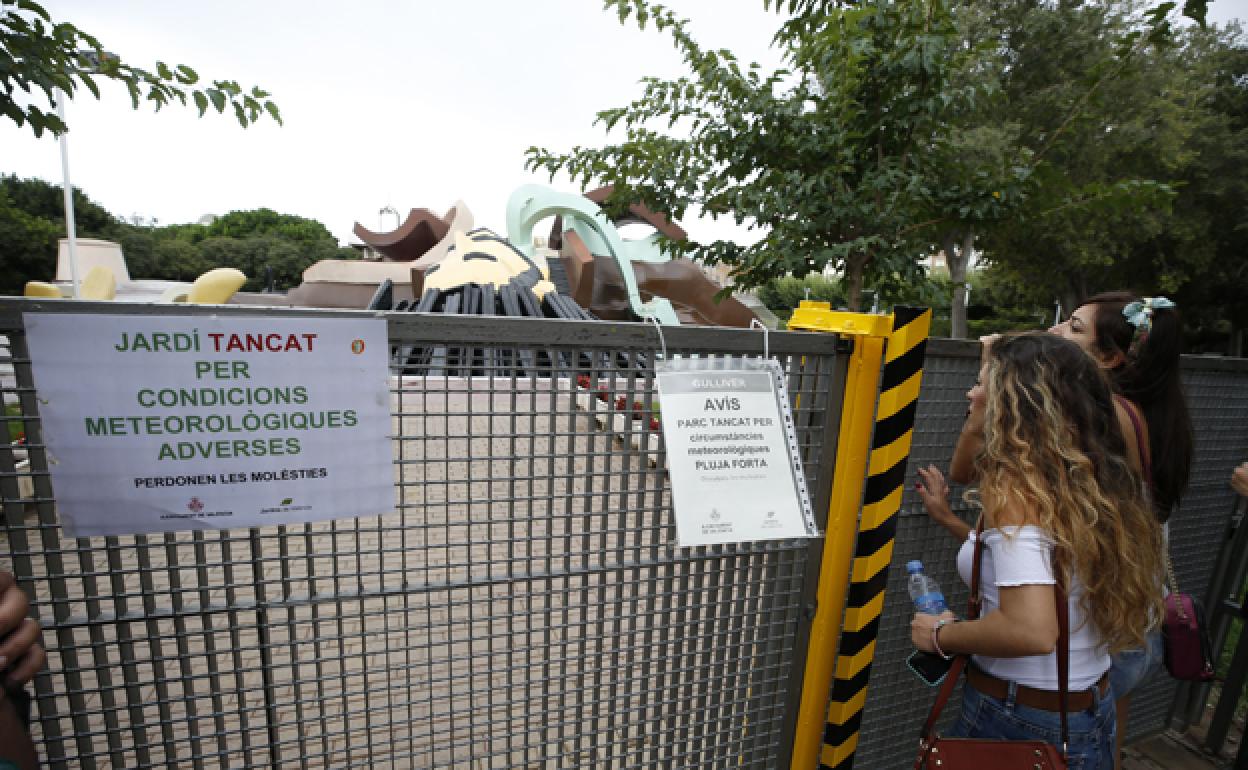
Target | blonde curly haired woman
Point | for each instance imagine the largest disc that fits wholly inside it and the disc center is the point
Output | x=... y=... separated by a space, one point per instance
x=1059 y=501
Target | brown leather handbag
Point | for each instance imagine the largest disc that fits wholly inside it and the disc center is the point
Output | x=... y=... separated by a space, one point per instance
x=937 y=753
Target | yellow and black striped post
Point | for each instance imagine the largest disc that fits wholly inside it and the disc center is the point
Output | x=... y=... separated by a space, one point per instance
x=862 y=523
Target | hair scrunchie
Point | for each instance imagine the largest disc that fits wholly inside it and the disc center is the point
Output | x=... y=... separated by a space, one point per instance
x=1140 y=315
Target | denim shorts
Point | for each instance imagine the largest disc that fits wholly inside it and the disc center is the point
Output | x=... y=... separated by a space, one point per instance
x=1131 y=667
x=1092 y=731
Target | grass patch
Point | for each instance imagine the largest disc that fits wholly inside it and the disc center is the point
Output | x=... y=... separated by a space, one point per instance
x=1233 y=632
x=16 y=428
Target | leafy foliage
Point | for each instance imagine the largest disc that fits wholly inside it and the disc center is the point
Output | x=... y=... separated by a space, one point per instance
x=783 y=295
x=1136 y=134
x=831 y=158
x=1212 y=203
x=40 y=55
x=29 y=246
x=272 y=249
x=32 y=218
x=1055 y=140
x=1137 y=188
x=266 y=222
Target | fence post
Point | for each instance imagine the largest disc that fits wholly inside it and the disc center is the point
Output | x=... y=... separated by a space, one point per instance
x=827 y=733
x=852 y=454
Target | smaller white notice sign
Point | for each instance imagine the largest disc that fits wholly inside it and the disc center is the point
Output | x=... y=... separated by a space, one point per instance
x=732 y=453
x=165 y=423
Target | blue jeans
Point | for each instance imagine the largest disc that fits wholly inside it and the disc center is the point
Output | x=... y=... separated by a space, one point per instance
x=1131 y=667
x=1092 y=732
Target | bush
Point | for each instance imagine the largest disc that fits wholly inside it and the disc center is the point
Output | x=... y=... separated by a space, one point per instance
x=783 y=295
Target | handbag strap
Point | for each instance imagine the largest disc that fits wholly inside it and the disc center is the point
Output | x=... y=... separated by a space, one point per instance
x=1063 y=653
x=974 y=602
x=973 y=606
x=1146 y=463
x=1146 y=458
x=1174 y=585
x=961 y=660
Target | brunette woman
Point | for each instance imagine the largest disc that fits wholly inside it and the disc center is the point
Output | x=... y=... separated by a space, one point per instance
x=1137 y=342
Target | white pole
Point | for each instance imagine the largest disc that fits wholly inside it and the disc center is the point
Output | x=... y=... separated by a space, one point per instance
x=69 y=197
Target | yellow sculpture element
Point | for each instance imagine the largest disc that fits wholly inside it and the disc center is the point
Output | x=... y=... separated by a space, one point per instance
x=483 y=257
x=100 y=284
x=41 y=289
x=215 y=287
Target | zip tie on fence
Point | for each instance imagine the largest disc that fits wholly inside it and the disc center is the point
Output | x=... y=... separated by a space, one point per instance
x=658 y=327
x=754 y=322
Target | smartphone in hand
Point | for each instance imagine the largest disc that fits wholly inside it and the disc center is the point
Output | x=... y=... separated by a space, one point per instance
x=929 y=667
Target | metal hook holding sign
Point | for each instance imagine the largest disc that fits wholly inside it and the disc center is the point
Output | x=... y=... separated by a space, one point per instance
x=659 y=328
x=755 y=322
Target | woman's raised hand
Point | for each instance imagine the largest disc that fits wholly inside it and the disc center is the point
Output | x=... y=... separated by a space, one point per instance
x=1239 y=479
x=934 y=492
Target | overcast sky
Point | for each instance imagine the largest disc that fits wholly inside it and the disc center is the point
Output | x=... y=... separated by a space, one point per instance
x=386 y=103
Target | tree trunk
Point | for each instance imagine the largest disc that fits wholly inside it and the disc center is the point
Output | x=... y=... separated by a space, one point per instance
x=957 y=257
x=853 y=279
x=1070 y=301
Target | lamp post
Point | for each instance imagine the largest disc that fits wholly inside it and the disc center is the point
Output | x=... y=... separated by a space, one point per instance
x=70 y=235
x=388 y=210
x=90 y=61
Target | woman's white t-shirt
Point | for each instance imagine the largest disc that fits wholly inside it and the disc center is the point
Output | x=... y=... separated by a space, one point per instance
x=1024 y=558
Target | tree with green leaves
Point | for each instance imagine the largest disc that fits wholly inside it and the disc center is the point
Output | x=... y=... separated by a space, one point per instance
x=1052 y=76
x=29 y=246
x=832 y=158
x=1192 y=132
x=1115 y=122
x=782 y=295
x=271 y=248
x=884 y=140
x=1211 y=207
x=980 y=173
x=40 y=55
x=32 y=218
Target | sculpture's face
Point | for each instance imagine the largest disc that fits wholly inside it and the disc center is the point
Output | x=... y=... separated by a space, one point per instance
x=482 y=257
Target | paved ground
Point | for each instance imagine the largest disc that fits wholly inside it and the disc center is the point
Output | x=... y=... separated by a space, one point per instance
x=1172 y=750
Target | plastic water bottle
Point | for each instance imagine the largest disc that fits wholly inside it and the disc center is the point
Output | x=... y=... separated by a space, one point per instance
x=923 y=590
x=928 y=599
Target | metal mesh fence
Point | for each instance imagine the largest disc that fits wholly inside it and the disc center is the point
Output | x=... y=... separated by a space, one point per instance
x=523 y=605
x=897 y=702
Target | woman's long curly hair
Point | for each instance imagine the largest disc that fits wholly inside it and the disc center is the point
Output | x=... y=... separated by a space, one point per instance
x=1052 y=445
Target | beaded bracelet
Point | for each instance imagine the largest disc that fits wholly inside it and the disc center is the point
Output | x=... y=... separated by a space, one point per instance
x=936 y=637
